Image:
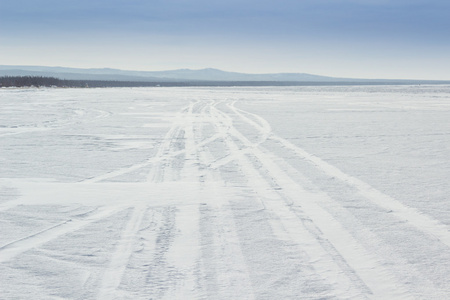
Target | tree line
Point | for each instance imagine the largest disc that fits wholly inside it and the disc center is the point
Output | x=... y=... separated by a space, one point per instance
x=41 y=81
x=23 y=81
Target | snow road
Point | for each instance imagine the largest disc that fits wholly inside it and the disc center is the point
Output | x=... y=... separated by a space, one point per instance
x=225 y=193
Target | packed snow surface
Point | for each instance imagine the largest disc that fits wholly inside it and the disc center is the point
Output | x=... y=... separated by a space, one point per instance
x=225 y=193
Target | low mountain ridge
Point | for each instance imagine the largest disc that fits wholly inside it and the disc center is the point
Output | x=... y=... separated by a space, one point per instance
x=208 y=74
x=189 y=77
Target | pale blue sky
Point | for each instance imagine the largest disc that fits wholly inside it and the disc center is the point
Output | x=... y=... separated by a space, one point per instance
x=343 y=38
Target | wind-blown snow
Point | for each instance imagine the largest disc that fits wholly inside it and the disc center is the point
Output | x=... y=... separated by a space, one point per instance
x=225 y=193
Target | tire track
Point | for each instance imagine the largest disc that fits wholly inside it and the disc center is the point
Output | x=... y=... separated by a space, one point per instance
x=228 y=275
x=174 y=269
x=122 y=255
x=160 y=276
x=119 y=260
x=187 y=219
x=124 y=250
x=162 y=154
x=410 y=215
x=156 y=174
x=367 y=267
x=190 y=168
x=290 y=227
x=148 y=162
x=11 y=250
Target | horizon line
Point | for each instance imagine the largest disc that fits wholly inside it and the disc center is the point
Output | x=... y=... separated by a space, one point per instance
x=221 y=70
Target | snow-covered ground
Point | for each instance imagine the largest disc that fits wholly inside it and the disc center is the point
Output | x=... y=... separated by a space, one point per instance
x=225 y=193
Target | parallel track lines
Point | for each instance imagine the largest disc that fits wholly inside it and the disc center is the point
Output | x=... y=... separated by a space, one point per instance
x=407 y=214
x=120 y=258
x=230 y=269
x=378 y=279
x=124 y=250
x=293 y=227
x=187 y=223
x=295 y=215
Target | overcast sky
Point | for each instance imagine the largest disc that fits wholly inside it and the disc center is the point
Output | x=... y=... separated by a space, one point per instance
x=342 y=38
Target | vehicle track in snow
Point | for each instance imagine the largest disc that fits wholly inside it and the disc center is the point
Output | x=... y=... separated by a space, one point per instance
x=170 y=275
x=225 y=272
x=246 y=225
x=392 y=207
x=377 y=278
x=130 y=236
x=14 y=248
x=120 y=258
x=410 y=215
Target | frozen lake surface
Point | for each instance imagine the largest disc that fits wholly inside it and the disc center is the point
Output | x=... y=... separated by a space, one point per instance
x=225 y=193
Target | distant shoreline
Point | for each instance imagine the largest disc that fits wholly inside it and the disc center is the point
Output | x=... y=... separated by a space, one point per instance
x=39 y=81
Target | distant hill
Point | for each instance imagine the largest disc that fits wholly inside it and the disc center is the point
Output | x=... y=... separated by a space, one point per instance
x=191 y=77
x=75 y=74
x=155 y=76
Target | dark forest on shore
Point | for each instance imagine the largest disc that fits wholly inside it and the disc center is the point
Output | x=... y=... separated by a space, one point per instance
x=41 y=81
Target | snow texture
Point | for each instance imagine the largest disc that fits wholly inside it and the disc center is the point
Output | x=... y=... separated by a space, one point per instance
x=225 y=193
